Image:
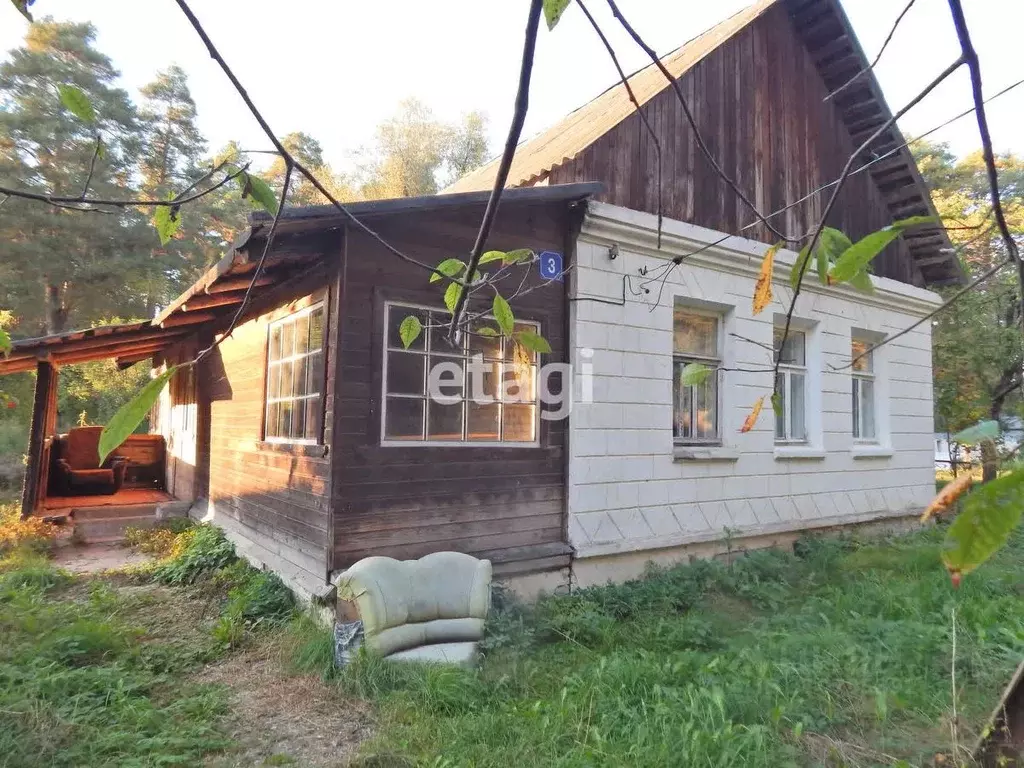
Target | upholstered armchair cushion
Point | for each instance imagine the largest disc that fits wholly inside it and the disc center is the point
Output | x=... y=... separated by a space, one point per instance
x=442 y=598
x=79 y=464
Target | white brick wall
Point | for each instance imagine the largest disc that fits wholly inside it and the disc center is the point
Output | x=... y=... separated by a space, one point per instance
x=629 y=492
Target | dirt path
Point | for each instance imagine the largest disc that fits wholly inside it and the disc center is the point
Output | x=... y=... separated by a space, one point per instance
x=283 y=719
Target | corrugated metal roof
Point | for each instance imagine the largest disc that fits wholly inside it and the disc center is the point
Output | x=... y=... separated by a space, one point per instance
x=581 y=128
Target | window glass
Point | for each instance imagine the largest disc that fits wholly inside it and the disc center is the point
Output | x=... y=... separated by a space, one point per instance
x=295 y=377
x=695 y=334
x=792 y=352
x=486 y=392
x=863 y=389
x=790 y=386
x=695 y=406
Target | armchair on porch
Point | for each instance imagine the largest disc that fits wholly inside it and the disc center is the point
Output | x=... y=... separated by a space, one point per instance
x=78 y=464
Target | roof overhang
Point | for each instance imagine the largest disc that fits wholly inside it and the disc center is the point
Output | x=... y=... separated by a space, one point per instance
x=216 y=296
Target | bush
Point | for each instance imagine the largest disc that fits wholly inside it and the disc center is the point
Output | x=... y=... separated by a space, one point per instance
x=196 y=555
x=158 y=540
x=29 y=534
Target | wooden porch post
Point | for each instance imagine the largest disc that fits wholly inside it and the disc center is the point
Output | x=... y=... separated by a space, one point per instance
x=43 y=421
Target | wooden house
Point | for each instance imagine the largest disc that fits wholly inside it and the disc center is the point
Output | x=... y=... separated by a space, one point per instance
x=309 y=435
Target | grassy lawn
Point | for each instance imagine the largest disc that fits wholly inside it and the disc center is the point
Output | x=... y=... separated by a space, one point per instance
x=837 y=655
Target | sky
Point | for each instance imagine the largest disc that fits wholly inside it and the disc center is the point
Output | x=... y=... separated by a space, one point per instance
x=336 y=68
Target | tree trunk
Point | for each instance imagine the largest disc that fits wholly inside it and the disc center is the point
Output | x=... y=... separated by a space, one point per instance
x=989 y=460
x=55 y=312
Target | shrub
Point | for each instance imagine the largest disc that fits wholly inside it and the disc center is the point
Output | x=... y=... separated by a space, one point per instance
x=261 y=599
x=31 y=534
x=196 y=555
x=158 y=540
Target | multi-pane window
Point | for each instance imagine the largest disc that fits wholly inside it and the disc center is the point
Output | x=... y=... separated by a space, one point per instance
x=695 y=406
x=863 y=381
x=791 y=386
x=483 y=391
x=295 y=377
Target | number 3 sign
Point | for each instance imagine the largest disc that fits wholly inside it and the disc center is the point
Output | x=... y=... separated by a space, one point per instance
x=550 y=265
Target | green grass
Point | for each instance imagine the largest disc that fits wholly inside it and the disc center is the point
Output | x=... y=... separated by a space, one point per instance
x=100 y=671
x=837 y=655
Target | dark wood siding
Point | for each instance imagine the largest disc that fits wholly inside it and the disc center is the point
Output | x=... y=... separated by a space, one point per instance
x=758 y=101
x=404 y=502
x=281 y=493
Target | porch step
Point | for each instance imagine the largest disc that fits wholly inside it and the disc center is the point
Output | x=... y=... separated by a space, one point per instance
x=84 y=514
x=105 y=530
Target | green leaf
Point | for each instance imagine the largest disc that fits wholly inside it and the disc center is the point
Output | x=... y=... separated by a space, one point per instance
x=533 y=342
x=409 y=330
x=451 y=296
x=261 y=192
x=799 y=267
x=553 y=10
x=862 y=282
x=131 y=414
x=831 y=244
x=490 y=256
x=989 y=516
x=486 y=330
x=448 y=268
x=518 y=255
x=5 y=343
x=777 y=403
x=983 y=430
x=857 y=257
x=503 y=315
x=913 y=221
x=167 y=221
x=76 y=102
x=22 y=6
x=694 y=374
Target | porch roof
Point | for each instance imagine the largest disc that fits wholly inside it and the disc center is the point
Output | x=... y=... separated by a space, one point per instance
x=216 y=296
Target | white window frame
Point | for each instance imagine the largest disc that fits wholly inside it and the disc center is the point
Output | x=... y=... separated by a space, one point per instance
x=858 y=379
x=268 y=401
x=787 y=371
x=464 y=443
x=715 y=363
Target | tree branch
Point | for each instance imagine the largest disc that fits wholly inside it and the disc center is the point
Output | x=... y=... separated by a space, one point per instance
x=632 y=97
x=705 y=150
x=281 y=149
x=881 y=50
x=259 y=266
x=970 y=56
x=842 y=180
x=522 y=104
x=65 y=201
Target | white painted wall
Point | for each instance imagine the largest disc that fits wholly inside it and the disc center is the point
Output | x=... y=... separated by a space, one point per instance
x=629 y=490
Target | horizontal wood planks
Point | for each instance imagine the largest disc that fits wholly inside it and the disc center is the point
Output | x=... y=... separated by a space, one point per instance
x=280 y=495
x=405 y=502
x=758 y=100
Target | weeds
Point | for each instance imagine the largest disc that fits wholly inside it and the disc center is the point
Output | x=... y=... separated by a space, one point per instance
x=756 y=663
x=31 y=533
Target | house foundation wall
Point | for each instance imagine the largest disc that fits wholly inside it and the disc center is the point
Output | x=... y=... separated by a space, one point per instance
x=635 y=494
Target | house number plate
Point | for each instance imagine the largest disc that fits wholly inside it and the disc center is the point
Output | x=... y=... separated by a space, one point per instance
x=550 y=265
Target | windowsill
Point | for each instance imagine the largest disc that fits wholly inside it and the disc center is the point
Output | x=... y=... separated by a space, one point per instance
x=293 y=449
x=870 y=451
x=704 y=453
x=787 y=452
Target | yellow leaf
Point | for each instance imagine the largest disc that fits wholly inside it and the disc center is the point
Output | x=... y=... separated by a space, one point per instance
x=763 y=289
x=751 y=420
x=945 y=498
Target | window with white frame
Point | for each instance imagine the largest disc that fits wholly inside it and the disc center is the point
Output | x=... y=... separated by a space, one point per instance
x=791 y=386
x=483 y=391
x=696 y=339
x=863 y=383
x=295 y=377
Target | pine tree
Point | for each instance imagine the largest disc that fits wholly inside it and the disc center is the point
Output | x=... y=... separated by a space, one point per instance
x=62 y=267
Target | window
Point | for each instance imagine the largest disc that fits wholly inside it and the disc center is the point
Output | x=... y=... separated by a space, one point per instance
x=695 y=407
x=295 y=377
x=484 y=391
x=863 y=381
x=791 y=386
